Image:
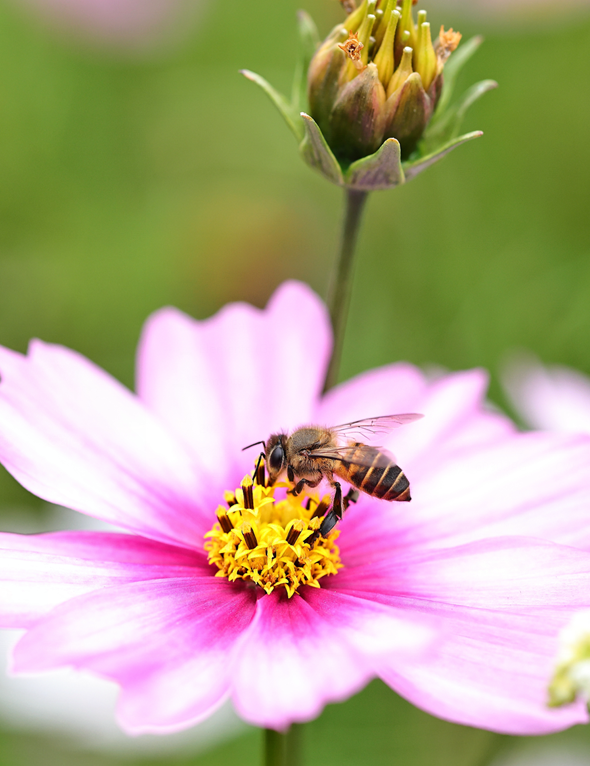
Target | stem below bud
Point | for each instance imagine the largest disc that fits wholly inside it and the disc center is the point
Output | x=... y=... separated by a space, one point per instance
x=341 y=282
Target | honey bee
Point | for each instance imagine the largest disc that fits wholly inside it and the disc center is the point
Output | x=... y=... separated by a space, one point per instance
x=313 y=453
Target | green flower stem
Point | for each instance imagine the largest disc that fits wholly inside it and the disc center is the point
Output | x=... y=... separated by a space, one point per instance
x=341 y=281
x=282 y=749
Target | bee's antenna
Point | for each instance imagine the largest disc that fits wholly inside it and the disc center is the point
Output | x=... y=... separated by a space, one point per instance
x=253 y=445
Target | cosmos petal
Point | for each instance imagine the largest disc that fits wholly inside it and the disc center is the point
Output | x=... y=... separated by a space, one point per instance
x=38 y=572
x=291 y=662
x=529 y=484
x=372 y=627
x=553 y=398
x=231 y=380
x=74 y=436
x=318 y=647
x=500 y=603
x=455 y=417
x=166 y=642
x=387 y=390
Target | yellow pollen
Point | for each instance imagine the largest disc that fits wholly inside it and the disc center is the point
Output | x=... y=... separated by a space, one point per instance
x=276 y=542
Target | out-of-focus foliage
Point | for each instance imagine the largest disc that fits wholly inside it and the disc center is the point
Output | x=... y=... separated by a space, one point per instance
x=128 y=185
x=508 y=12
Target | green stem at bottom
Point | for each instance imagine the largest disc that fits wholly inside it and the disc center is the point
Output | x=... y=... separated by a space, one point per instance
x=282 y=749
x=341 y=282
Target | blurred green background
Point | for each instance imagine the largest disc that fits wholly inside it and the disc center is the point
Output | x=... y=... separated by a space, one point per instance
x=133 y=180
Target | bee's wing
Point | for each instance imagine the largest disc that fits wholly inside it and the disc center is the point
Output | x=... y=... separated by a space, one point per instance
x=351 y=454
x=368 y=427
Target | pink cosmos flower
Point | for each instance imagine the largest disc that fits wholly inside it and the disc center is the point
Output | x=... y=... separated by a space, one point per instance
x=455 y=600
x=554 y=398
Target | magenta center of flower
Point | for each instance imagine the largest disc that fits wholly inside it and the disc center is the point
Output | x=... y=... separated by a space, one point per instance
x=270 y=537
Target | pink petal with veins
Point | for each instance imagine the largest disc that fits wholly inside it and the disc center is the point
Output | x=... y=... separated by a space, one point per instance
x=233 y=379
x=165 y=641
x=74 y=436
x=38 y=572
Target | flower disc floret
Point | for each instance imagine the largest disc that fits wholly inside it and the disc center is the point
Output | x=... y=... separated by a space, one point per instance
x=272 y=541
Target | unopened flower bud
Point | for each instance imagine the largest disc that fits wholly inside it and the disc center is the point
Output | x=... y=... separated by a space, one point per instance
x=357 y=119
x=400 y=52
x=410 y=111
x=325 y=69
x=374 y=86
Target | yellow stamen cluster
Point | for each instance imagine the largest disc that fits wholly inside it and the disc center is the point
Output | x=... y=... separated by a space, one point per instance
x=266 y=541
x=388 y=36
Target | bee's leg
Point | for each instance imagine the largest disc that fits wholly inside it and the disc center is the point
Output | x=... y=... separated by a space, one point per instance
x=302 y=483
x=335 y=513
x=337 y=501
x=351 y=497
x=328 y=524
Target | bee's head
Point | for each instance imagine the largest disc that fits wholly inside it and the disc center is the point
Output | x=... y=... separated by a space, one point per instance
x=275 y=455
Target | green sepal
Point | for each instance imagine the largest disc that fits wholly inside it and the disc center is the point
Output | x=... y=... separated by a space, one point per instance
x=451 y=71
x=316 y=152
x=381 y=170
x=411 y=169
x=289 y=114
x=449 y=126
x=309 y=41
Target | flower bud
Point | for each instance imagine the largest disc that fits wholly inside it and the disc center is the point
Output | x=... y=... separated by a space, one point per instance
x=373 y=87
x=410 y=111
x=356 y=120
x=325 y=69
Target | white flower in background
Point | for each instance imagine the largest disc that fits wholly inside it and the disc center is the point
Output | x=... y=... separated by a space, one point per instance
x=557 y=398
x=552 y=398
x=572 y=670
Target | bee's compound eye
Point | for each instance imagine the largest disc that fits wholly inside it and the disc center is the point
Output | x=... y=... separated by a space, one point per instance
x=276 y=458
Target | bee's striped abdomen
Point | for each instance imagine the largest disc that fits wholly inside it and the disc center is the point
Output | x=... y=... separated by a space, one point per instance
x=373 y=472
